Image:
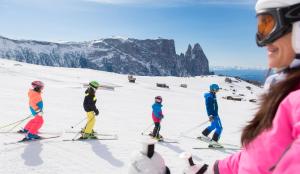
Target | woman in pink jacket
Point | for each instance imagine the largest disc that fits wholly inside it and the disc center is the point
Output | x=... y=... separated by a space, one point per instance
x=271 y=140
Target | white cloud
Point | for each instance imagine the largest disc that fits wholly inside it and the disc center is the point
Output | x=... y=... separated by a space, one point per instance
x=176 y=2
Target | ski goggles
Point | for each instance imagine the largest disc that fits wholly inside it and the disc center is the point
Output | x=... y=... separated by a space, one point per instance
x=274 y=23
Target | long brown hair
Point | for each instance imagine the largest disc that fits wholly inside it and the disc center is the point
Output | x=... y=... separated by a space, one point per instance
x=268 y=106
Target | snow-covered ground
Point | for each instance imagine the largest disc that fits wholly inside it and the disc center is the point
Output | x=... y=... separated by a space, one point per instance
x=126 y=111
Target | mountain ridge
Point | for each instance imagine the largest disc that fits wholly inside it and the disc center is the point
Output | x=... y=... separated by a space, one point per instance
x=150 y=57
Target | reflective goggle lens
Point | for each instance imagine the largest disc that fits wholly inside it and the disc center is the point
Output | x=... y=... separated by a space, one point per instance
x=265 y=25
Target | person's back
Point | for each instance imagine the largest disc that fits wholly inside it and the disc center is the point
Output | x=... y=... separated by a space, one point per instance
x=211 y=104
x=89 y=103
x=156 y=110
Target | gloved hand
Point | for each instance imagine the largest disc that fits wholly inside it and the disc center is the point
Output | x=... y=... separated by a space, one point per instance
x=39 y=112
x=96 y=112
x=211 y=118
x=162 y=116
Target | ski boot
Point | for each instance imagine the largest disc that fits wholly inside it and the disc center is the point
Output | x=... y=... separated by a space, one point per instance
x=22 y=131
x=214 y=144
x=31 y=136
x=158 y=138
x=88 y=136
x=93 y=132
x=204 y=138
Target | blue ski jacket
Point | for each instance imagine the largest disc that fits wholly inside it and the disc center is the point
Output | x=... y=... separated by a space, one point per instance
x=211 y=104
x=156 y=110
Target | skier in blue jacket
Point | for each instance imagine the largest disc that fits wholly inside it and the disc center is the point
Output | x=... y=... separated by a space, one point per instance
x=212 y=112
x=157 y=116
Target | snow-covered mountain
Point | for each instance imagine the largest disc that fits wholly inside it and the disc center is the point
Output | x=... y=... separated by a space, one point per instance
x=121 y=55
x=126 y=111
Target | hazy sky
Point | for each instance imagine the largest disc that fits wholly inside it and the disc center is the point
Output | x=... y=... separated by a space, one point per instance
x=224 y=28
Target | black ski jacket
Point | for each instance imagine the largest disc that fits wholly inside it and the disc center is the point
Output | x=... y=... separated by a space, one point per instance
x=89 y=103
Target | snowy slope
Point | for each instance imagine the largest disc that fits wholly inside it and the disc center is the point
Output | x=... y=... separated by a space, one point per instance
x=125 y=111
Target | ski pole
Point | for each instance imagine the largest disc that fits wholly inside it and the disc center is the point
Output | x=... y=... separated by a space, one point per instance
x=191 y=129
x=79 y=122
x=11 y=129
x=147 y=128
x=19 y=121
x=84 y=127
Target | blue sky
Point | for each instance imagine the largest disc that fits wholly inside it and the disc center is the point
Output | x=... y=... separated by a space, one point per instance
x=224 y=28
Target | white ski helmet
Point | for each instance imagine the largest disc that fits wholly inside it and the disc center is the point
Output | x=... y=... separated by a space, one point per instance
x=275 y=19
x=147 y=161
x=190 y=166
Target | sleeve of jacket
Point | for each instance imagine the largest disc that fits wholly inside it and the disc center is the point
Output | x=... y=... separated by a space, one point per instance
x=228 y=165
x=209 y=105
x=40 y=105
x=290 y=160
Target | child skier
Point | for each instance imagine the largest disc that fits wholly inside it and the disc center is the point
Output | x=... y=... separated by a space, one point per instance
x=212 y=112
x=36 y=107
x=89 y=105
x=157 y=116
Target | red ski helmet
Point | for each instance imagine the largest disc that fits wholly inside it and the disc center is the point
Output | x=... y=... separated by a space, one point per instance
x=37 y=85
x=158 y=99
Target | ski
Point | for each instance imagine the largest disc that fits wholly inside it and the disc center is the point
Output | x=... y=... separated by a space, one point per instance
x=32 y=140
x=96 y=139
x=99 y=134
x=214 y=148
x=43 y=133
x=167 y=141
x=206 y=141
x=162 y=140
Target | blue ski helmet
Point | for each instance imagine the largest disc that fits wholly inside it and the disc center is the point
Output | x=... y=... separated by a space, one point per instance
x=214 y=87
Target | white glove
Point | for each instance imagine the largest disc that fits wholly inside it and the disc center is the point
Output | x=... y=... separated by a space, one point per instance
x=39 y=112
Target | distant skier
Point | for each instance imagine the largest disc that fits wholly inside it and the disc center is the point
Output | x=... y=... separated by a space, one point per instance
x=36 y=107
x=157 y=116
x=147 y=161
x=190 y=166
x=212 y=112
x=89 y=105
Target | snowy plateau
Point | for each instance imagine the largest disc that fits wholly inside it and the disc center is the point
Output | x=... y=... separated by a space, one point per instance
x=125 y=111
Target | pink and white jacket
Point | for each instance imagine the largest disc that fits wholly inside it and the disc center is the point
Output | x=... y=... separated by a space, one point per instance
x=274 y=151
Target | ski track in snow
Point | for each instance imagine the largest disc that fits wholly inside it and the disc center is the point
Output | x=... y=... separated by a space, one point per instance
x=125 y=111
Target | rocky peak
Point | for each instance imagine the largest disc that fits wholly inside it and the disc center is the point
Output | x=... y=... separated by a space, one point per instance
x=126 y=56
